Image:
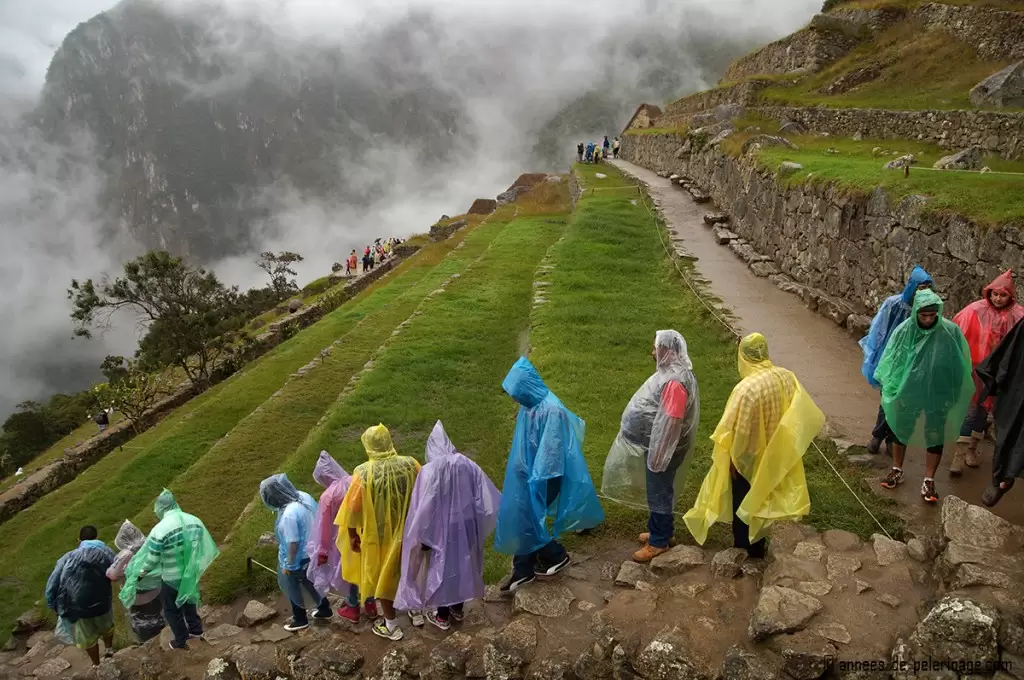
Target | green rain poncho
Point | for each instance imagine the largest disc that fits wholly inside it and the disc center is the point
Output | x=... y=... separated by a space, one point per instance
x=179 y=549
x=925 y=376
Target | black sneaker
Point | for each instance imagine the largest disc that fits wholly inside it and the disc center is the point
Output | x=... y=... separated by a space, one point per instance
x=322 y=616
x=893 y=479
x=552 y=570
x=875 y=445
x=514 y=584
x=457 y=615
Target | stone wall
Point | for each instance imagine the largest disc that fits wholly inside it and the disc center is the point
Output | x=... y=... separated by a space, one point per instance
x=805 y=51
x=995 y=131
x=440 y=232
x=75 y=460
x=996 y=35
x=843 y=254
x=681 y=112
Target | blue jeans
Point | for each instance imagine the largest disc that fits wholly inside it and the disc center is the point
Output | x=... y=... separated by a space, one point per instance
x=353 y=600
x=976 y=421
x=881 y=429
x=660 y=496
x=183 y=621
x=293 y=583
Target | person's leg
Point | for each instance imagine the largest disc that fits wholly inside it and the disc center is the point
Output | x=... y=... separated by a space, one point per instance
x=94 y=654
x=293 y=591
x=523 y=566
x=173 y=616
x=552 y=558
x=444 y=613
x=740 y=530
x=878 y=432
x=931 y=461
x=323 y=608
x=193 y=623
x=978 y=428
x=660 y=501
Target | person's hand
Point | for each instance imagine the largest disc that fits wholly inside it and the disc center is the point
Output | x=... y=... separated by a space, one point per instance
x=287 y=572
x=321 y=560
x=353 y=542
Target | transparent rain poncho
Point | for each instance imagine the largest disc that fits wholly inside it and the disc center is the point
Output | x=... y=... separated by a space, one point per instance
x=146 y=615
x=926 y=378
x=546 y=474
x=768 y=423
x=651 y=438
x=454 y=508
x=893 y=311
x=295 y=512
x=323 y=538
x=78 y=587
x=376 y=505
x=178 y=550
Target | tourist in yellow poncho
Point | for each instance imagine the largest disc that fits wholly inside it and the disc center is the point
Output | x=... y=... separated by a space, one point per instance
x=371 y=523
x=768 y=423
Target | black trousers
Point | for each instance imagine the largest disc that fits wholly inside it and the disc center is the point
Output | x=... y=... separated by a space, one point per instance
x=740 y=530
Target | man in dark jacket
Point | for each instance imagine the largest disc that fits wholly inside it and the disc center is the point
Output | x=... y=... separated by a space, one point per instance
x=79 y=591
x=1002 y=375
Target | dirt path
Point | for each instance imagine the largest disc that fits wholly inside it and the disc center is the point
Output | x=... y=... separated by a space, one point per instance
x=825 y=358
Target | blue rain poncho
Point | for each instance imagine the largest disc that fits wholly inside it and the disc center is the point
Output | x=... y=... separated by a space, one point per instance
x=893 y=311
x=295 y=512
x=546 y=475
x=78 y=587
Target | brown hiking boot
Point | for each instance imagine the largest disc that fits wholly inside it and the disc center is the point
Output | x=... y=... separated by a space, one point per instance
x=648 y=553
x=956 y=467
x=971 y=457
x=645 y=537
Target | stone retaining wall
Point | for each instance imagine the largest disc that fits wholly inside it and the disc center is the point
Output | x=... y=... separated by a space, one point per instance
x=805 y=51
x=996 y=35
x=75 y=460
x=842 y=254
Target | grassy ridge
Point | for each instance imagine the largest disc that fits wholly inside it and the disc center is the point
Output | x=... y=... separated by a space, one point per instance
x=447 y=364
x=125 y=482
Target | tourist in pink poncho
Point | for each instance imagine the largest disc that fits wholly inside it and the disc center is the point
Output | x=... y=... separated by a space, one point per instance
x=453 y=509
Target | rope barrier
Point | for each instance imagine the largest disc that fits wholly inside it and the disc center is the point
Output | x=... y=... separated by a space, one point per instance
x=738 y=335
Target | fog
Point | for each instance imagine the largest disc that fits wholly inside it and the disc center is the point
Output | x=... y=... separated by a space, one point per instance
x=508 y=67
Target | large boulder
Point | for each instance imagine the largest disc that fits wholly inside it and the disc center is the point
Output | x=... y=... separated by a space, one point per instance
x=767 y=140
x=726 y=563
x=781 y=610
x=958 y=628
x=630 y=573
x=888 y=551
x=742 y=664
x=975 y=526
x=789 y=569
x=1003 y=89
x=677 y=560
x=255 y=613
x=255 y=663
x=327 y=660
x=513 y=648
x=968 y=159
x=29 y=622
x=449 y=658
x=667 y=658
x=805 y=655
x=543 y=599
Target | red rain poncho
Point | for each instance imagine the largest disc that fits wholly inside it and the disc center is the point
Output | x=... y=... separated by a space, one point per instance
x=984 y=325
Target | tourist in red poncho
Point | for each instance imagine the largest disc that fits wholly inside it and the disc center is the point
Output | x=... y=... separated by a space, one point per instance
x=984 y=322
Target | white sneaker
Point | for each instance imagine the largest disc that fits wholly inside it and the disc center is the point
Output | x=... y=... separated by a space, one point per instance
x=416 y=617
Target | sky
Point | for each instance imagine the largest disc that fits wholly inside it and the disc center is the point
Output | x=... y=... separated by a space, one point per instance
x=510 y=63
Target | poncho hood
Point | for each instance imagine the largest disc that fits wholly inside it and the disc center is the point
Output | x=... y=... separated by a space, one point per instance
x=1003 y=282
x=277 y=492
x=524 y=384
x=327 y=470
x=129 y=537
x=670 y=351
x=927 y=298
x=164 y=503
x=917 y=277
x=753 y=355
x=377 y=442
x=438 y=444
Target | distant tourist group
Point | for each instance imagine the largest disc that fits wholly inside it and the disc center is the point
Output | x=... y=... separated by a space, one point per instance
x=373 y=255
x=594 y=153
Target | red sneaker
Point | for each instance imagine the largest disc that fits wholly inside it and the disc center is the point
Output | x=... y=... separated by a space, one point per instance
x=371 y=609
x=349 y=612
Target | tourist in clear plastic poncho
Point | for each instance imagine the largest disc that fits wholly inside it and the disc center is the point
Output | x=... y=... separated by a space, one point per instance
x=454 y=508
x=546 y=476
x=79 y=591
x=984 y=323
x=1002 y=375
x=371 y=523
x=925 y=374
x=757 y=470
x=892 y=312
x=325 y=558
x=178 y=550
x=146 y=614
x=295 y=514
x=646 y=466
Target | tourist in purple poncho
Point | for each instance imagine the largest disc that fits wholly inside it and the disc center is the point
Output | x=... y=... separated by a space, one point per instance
x=454 y=508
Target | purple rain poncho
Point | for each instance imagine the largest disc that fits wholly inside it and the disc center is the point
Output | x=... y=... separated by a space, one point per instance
x=454 y=508
x=323 y=538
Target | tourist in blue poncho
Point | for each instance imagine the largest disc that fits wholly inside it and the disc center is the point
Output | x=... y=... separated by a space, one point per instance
x=892 y=312
x=546 y=476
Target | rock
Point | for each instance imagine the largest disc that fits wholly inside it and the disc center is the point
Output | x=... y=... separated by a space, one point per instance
x=692 y=590
x=585 y=606
x=224 y=630
x=667 y=658
x=266 y=539
x=809 y=550
x=863 y=460
x=767 y=140
x=843 y=446
x=716 y=218
x=678 y=560
x=395 y=665
x=958 y=628
x=901 y=162
x=699 y=196
x=513 y=648
x=785 y=536
x=917 y=550
x=272 y=634
x=763 y=269
x=51 y=667
x=1003 y=89
x=600 y=175
x=836 y=632
x=255 y=613
x=294 y=304
x=630 y=573
x=975 y=526
x=805 y=656
x=29 y=622
x=841 y=566
x=543 y=599
x=815 y=588
x=723 y=236
x=968 y=159
x=985 y=169
x=891 y=600
x=327 y=660
x=781 y=610
x=609 y=571
x=741 y=664
x=673 y=177
x=793 y=569
x=857 y=136
x=449 y=657
x=840 y=540
x=220 y=669
x=553 y=669
x=726 y=563
x=888 y=551
x=862 y=586
x=594 y=662
x=255 y=663
x=787 y=168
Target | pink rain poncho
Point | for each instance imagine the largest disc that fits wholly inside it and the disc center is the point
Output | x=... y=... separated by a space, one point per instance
x=984 y=325
x=454 y=508
x=324 y=557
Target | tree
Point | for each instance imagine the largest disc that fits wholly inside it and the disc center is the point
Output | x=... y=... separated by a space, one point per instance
x=134 y=391
x=279 y=267
x=189 y=313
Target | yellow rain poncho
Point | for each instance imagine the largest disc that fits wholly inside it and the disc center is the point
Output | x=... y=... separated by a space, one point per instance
x=769 y=422
x=375 y=506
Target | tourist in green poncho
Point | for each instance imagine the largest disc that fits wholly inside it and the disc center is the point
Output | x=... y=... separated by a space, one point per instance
x=179 y=549
x=925 y=374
